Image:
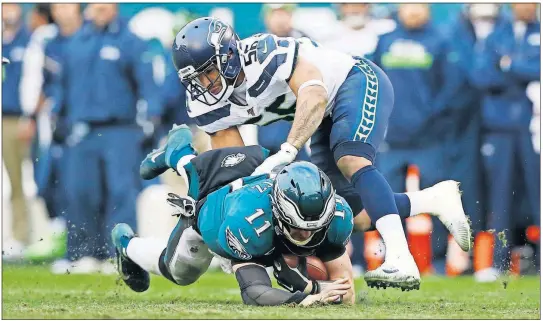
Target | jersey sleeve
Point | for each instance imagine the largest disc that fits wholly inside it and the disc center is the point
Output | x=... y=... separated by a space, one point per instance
x=212 y=119
x=285 y=56
x=270 y=65
x=339 y=232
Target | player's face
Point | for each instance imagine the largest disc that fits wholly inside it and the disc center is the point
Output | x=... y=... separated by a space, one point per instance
x=103 y=13
x=63 y=12
x=300 y=235
x=525 y=11
x=414 y=15
x=354 y=15
x=210 y=79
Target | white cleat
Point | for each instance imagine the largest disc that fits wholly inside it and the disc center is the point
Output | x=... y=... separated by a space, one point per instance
x=448 y=208
x=402 y=274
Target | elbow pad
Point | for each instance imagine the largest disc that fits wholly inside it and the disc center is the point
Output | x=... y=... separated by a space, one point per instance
x=256 y=288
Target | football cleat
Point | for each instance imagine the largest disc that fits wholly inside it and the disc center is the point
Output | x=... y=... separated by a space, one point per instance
x=154 y=164
x=403 y=275
x=448 y=209
x=132 y=274
x=167 y=156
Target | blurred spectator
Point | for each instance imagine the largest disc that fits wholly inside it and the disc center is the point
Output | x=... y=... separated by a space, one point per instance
x=467 y=35
x=278 y=19
x=357 y=32
x=415 y=57
x=15 y=146
x=101 y=80
x=509 y=61
x=40 y=15
x=50 y=167
x=40 y=22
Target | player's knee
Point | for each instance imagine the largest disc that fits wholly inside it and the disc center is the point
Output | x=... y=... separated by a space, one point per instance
x=348 y=165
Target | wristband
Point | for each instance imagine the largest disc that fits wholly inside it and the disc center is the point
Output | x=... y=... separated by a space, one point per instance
x=289 y=149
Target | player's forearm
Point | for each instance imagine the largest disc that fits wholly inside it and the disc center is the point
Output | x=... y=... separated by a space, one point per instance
x=256 y=287
x=310 y=109
x=338 y=269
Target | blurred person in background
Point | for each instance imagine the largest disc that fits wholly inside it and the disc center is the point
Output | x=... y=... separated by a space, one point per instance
x=467 y=34
x=49 y=169
x=509 y=61
x=103 y=143
x=36 y=129
x=278 y=21
x=415 y=56
x=357 y=31
x=15 y=145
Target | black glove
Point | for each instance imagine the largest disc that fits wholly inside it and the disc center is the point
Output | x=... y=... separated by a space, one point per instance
x=185 y=206
x=293 y=279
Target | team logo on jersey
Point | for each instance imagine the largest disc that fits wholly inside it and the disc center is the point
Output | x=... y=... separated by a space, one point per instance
x=235 y=245
x=216 y=33
x=232 y=160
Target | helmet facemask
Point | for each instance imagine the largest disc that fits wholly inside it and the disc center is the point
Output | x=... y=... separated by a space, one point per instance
x=287 y=217
x=211 y=71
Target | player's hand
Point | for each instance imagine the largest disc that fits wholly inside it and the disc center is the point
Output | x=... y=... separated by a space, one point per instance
x=291 y=278
x=332 y=293
x=185 y=206
x=285 y=156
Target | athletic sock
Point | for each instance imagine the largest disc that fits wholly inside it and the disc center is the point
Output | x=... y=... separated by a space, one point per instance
x=145 y=252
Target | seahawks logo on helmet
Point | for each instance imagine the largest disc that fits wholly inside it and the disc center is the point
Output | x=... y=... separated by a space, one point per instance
x=235 y=245
x=216 y=32
x=232 y=160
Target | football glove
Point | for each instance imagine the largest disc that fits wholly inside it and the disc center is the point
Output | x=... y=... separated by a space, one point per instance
x=182 y=206
x=293 y=279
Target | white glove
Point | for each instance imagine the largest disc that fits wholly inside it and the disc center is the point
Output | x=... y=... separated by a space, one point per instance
x=285 y=156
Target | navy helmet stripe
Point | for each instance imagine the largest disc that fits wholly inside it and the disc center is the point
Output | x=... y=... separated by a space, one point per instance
x=213 y=116
x=265 y=78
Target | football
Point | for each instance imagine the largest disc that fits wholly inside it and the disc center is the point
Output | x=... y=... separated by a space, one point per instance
x=315 y=268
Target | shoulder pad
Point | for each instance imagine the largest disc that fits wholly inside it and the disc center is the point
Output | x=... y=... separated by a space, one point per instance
x=342 y=224
x=247 y=235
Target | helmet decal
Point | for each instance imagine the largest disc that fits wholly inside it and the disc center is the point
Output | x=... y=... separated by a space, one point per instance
x=216 y=33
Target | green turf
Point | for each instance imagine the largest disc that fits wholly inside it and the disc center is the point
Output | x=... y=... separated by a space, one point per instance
x=32 y=292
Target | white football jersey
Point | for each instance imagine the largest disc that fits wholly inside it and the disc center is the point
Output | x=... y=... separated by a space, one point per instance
x=265 y=96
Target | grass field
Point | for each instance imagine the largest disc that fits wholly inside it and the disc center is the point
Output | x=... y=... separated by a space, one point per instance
x=32 y=292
